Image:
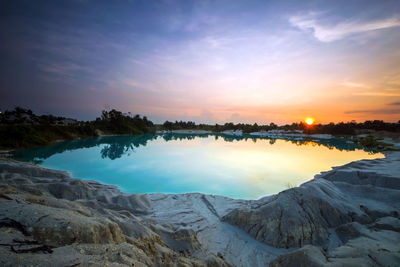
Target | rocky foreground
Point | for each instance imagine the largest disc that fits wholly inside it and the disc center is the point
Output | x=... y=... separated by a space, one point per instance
x=345 y=217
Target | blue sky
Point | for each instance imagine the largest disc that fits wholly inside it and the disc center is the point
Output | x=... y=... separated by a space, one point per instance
x=208 y=61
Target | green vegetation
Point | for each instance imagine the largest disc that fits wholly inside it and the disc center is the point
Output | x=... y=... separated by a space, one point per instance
x=21 y=135
x=21 y=128
x=373 y=143
x=338 y=129
x=115 y=122
x=368 y=141
x=290 y=185
x=246 y=128
x=349 y=129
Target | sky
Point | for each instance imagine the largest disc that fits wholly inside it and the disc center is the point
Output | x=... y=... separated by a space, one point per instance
x=205 y=61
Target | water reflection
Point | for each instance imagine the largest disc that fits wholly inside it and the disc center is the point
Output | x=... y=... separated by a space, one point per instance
x=115 y=147
x=239 y=167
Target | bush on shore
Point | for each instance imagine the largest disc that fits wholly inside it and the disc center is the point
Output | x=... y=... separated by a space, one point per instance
x=21 y=128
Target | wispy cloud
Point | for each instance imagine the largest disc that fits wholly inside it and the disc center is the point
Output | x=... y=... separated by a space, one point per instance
x=353 y=84
x=138 y=84
x=325 y=33
x=374 y=111
x=376 y=94
x=394 y=104
x=62 y=68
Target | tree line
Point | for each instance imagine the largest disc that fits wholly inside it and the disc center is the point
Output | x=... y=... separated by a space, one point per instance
x=341 y=128
x=21 y=128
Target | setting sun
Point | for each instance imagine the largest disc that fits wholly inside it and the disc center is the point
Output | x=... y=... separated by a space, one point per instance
x=309 y=121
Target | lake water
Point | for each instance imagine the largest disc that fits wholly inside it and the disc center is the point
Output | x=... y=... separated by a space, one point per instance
x=237 y=167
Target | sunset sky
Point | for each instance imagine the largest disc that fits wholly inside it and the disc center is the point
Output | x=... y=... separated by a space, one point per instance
x=207 y=61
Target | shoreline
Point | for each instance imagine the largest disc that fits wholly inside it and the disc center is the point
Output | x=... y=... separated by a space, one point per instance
x=321 y=217
x=125 y=189
x=120 y=189
x=270 y=134
x=390 y=143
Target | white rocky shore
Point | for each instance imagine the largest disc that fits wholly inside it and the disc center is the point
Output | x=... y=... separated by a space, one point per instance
x=345 y=217
x=276 y=134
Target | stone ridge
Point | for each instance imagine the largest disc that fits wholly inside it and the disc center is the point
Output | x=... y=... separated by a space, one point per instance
x=48 y=219
x=348 y=204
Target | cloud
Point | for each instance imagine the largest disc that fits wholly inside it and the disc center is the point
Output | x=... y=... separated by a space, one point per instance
x=133 y=83
x=62 y=68
x=394 y=104
x=374 y=111
x=341 y=30
x=352 y=84
x=376 y=94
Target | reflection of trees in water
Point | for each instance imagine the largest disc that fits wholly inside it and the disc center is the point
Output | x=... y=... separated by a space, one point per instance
x=114 y=151
x=180 y=137
x=341 y=144
x=124 y=145
x=116 y=146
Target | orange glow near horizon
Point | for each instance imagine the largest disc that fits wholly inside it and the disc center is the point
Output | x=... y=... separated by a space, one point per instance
x=309 y=121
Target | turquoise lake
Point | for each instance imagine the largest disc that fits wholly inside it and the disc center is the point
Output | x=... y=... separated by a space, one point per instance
x=237 y=167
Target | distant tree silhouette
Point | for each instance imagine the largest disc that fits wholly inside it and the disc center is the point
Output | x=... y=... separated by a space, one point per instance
x=341 y=128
